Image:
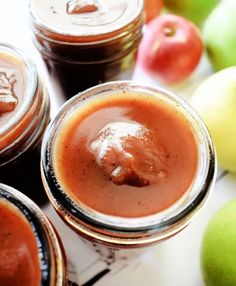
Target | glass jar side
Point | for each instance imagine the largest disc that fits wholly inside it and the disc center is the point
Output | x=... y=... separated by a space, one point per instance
x=21 y=135
x=25 y=128
x=76 y=63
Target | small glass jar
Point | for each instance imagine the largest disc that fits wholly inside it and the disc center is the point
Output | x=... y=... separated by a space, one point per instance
x=83 y=49
x=21 y=133
x=120 y=232
x=50 y=249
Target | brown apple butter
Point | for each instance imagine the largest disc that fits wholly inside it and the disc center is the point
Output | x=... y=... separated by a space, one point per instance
x=129 y=155
x=19 y=256
x=13 y=81
x=24 y=113
x=85 y=43
x=31 y=253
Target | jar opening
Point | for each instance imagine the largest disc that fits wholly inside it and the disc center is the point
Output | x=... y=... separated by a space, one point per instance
x=109 y=17
x=185 y=207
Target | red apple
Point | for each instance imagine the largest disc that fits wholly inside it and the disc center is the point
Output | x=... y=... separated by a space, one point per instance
x=152 y=9
x=171 y=48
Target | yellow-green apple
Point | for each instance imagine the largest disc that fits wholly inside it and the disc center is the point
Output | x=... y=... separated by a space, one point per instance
x=218 y=253
x=194 y=10
x=215 y=100
x=219 y=35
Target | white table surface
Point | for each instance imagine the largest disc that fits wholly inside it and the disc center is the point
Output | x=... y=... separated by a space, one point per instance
x=175 y=262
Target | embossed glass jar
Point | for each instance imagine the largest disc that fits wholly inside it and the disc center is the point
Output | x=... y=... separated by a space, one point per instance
x=119 y=232
x=21 y=133
x=52 y=260
x=83 y=49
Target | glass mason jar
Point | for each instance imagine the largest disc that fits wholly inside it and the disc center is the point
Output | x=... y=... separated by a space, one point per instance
x=83 y=48
x=21 y=130
x=119 y=232
x=50 y=250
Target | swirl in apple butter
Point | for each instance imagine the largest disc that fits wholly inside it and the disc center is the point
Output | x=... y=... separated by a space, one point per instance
x=8 y=99
x=129 y=154
x=13 y=82
x=81 y=6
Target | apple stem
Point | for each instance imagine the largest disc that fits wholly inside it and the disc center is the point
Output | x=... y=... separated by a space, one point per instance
x=169 y=32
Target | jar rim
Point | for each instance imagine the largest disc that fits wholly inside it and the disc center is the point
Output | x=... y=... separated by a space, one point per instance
x=77 y=36
x=32 y=78
x=163 y=220
x=38 y=223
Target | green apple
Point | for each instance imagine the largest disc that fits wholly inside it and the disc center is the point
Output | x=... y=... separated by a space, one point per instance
x=215 y=101
x=218 y=252
x=219 y=35
x=194 y=10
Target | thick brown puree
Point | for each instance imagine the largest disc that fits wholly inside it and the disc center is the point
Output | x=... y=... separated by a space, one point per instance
x=19 y=258
x=88 y=183
x=13 y=90
x=13 y=85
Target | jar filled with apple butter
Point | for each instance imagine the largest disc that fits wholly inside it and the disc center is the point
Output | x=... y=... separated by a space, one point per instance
x=31 y=253
x=85 y=43
x=24 y=115
x=127 y=165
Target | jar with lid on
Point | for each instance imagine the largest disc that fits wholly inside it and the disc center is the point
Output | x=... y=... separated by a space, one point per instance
x=24 y=115
x=85 y=43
